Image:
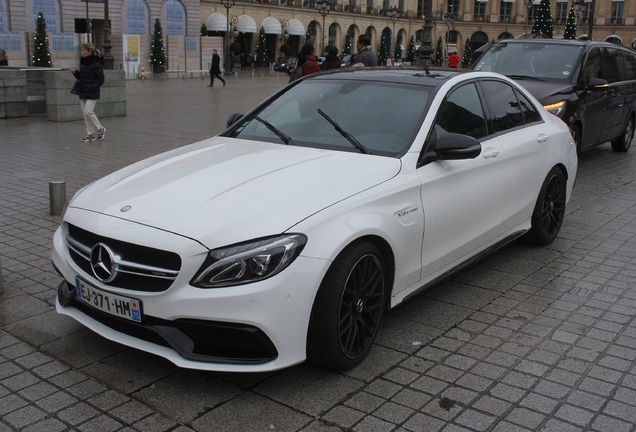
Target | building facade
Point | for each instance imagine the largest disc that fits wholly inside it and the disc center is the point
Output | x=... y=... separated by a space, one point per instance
x=192 y=28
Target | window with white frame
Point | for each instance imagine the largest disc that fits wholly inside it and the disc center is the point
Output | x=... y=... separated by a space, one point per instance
x=616 y=14
x=505 y=11
x=561 y=12
x=479 y=10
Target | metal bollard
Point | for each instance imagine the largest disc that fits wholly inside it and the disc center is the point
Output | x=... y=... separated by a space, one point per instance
x=57 y=196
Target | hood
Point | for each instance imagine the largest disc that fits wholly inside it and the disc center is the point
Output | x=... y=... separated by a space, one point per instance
x=547 y=91
x=224 y=190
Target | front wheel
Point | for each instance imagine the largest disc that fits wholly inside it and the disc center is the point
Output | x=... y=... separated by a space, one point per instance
x=348 y=308
x=622 y=143
x=549 y=210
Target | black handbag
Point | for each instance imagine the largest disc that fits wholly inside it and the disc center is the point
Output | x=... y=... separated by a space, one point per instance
x=76 y=88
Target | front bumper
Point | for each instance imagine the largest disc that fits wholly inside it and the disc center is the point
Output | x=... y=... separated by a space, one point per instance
x=249 y=328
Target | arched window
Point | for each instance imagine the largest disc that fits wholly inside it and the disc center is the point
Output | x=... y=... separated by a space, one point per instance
x=175 y=18
x=47 y=7
x=136 y=14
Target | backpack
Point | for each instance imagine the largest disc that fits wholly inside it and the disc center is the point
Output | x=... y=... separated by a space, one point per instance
x=297 y=73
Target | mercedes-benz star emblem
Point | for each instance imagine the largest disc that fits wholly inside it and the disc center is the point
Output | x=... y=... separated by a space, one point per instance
x=103 y=263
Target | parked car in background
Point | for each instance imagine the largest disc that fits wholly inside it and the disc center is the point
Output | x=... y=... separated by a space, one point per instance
x=285 y=65
x=346 y=60
x=288 y=236
x=4 y=60
x=590 y=85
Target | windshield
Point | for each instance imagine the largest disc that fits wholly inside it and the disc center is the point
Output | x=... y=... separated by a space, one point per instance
x=543 y=61
x=372 y=117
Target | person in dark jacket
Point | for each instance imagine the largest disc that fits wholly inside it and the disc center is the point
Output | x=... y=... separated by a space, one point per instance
x=215 y=69
x=310 y=64
x=91 y=78
x=331 y=61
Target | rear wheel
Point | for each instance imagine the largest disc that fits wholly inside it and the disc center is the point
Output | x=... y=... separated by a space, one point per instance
x=622 y=143
x=549 y=210
x=348 y=308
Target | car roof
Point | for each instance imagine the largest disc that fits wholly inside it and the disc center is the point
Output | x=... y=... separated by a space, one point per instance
x=411 y=75
x=571 y=42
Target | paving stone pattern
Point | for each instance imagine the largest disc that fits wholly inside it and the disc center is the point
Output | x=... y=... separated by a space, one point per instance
x=529 y=339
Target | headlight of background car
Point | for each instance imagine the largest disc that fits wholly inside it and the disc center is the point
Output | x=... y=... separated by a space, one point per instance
x=555 y=108
x=249 y=262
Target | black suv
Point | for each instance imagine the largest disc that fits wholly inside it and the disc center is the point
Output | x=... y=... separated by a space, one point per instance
x=591 y=86
x=4 y=61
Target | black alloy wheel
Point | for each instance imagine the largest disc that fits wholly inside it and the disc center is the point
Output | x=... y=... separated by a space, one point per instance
x=348 y=308
x=549 y=210
x=622 y=143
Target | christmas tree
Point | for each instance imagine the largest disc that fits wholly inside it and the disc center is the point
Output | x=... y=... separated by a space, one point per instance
x=570 y=25
x=543 y=23
x=42 y=55
x=468 y=54
x=261 y=48
x=439 y=52
x=348 y=47
x=397 y=52
x=410 y=53
x=157 y=51
x=382 y=52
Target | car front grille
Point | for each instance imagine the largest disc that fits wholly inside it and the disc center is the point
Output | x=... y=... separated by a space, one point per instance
x=138 y=268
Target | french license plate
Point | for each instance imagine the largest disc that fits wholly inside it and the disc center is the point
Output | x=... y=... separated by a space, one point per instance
x=113 y=304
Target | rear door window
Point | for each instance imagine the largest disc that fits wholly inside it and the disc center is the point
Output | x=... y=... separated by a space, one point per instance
x=505 y=109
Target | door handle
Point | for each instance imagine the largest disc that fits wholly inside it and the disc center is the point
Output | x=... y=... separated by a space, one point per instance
x=490 y=152
x=542 y=138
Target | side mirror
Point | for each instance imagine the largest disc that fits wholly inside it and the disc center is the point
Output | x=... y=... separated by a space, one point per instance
x=453 y=146
x=598 y=84
x=233 y=119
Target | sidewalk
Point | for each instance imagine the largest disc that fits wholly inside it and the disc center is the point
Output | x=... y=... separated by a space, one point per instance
x=530 y=339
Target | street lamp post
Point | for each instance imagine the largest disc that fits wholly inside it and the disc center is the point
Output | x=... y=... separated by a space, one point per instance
x=227 y=4
x=449 y=19
x=323 y=6
x=529 y=4
x=394 y=14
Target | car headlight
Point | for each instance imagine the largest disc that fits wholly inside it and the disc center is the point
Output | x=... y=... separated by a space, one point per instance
x=555 y=108
x=249 y=262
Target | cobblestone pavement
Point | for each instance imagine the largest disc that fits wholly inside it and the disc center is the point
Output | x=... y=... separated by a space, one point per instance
x=529 y=339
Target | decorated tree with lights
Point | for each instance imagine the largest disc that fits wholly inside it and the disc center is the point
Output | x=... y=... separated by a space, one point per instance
x=410 y=52
x=543 y=23
x=157 y=51
x=261 y=48
x=439 y=52
x=382 y=51
x=468 y=54
x=397 y=51
x=570 y=25
x=348 y=44
x=41 y=54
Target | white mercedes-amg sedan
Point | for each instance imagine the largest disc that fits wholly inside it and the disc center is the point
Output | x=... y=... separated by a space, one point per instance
x=287 y=237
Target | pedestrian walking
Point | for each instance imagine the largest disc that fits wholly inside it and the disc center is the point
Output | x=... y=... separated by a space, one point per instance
x=453 y=60
x=215 y=69
x=331 y=61
x=365 y=55
x=91 y=78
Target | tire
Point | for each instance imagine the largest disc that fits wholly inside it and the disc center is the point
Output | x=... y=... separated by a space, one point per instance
x=348 y=308
x=622 y=143
x=549 y=210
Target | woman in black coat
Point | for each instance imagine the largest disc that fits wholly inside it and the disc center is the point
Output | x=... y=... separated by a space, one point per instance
x=91 y=78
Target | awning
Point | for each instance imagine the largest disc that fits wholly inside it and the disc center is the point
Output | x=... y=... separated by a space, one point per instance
x=216 y=22
x=246 y=24
x=295 y=28
x=272 y=26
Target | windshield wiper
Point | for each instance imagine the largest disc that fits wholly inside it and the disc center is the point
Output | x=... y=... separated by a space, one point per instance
x=284 y=138
x=357 y=144
x=525 y=77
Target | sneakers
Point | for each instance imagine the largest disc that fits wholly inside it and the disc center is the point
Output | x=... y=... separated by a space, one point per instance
x=88 y=138
x=101 y=133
